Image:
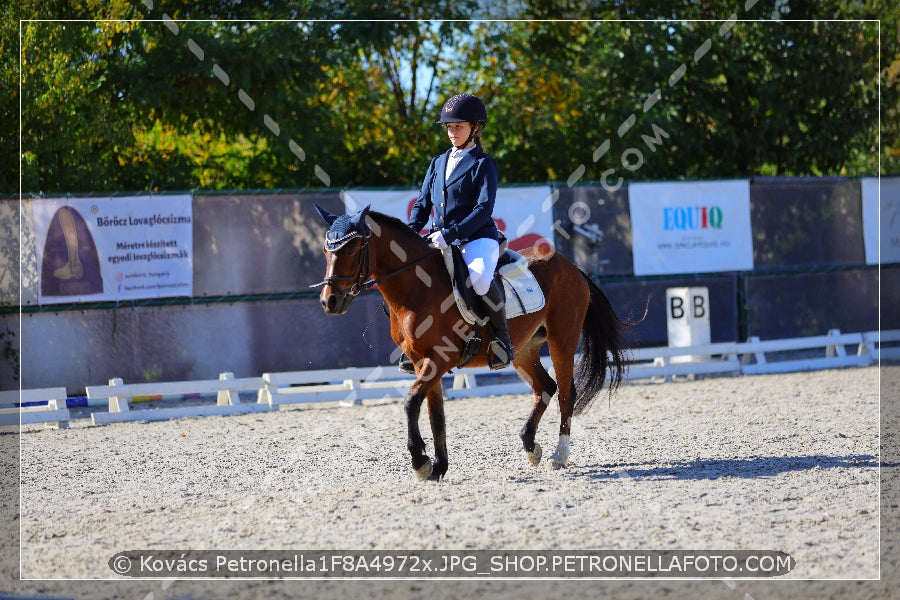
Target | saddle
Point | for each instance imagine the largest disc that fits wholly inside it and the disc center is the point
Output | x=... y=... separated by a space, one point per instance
x=521 y=291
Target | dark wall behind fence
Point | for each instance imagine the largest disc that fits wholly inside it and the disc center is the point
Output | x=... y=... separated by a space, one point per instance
x=255 y=256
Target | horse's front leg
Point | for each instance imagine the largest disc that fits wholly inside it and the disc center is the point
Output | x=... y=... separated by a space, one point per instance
x=438 y=429
x=421 y=463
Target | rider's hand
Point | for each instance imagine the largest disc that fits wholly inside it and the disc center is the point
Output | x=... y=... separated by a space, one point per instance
x=436 y=240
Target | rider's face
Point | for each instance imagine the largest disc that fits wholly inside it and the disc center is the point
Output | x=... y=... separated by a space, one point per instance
x=458 y=132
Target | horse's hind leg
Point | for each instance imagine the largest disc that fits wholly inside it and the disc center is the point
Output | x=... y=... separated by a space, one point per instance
x=563 y=365
x=528 y=365
x=564 y=332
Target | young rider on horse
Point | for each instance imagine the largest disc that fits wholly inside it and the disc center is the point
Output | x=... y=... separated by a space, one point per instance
x=461 y=186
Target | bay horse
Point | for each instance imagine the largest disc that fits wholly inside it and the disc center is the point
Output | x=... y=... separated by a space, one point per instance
x=369 y=248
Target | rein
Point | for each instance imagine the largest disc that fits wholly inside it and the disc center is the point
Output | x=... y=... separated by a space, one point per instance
x=373 y=282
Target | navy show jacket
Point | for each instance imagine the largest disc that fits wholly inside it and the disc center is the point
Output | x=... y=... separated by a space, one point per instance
x=464 y=203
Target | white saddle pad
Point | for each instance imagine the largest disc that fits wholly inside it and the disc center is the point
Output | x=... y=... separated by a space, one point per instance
x=523 y=293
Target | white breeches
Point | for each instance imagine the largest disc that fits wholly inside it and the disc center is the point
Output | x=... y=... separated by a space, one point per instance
x=481 y=256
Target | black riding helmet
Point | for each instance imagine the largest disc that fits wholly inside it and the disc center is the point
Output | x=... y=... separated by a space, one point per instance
x=465 y=108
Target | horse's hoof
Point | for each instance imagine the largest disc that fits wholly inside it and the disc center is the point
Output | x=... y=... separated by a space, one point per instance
x=557 y=462
x=424 y=472
x=535 y=456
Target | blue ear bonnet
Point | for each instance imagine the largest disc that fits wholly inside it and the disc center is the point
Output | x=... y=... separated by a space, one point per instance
x=345 y=228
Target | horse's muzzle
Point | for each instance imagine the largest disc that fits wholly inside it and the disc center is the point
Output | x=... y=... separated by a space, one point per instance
x=333 y=303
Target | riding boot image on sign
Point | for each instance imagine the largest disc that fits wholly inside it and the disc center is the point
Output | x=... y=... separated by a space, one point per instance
x=73 y=268
x=500 y=349
x=71 y=265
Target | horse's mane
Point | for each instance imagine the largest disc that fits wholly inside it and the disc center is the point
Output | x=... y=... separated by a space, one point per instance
x=400 y=228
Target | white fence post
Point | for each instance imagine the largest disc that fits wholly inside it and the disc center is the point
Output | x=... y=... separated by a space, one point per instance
x=118 y=403
x=759 y=356
x=227 y=397
x=835 y=349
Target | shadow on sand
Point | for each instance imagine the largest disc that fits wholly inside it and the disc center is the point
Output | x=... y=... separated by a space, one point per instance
x=716 y=468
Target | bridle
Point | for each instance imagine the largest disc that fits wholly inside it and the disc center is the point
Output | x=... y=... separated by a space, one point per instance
x=362 y=279
x=359 y=279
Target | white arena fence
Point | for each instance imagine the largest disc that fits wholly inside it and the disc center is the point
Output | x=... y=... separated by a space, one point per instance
x=351 y=386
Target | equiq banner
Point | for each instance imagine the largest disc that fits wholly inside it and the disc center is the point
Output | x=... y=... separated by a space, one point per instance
x=128 y=248
x=691 y=227
x=524 y=214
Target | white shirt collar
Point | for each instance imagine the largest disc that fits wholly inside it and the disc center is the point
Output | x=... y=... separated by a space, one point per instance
x=454 y=159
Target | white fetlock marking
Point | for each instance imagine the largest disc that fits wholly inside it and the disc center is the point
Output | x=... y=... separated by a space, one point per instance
x=535 y=457
x=560 y=458
x=424 y=472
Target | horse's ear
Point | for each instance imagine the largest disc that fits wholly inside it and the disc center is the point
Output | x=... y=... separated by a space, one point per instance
x=359 y=220
x=329 y=218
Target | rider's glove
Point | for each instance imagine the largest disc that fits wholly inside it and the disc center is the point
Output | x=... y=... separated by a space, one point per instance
x=436 y=240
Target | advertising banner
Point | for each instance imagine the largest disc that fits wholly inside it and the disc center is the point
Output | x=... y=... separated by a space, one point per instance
x=524 y=214
x=691 y=227
x=881 y=214
x=103 y=249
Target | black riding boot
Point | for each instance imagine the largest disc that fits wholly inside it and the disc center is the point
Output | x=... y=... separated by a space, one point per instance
x=501 y=348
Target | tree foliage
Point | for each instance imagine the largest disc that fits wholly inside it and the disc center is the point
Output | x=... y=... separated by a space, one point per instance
x=137 y=95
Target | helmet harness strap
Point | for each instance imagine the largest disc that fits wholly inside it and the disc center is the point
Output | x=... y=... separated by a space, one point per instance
x=475 y=129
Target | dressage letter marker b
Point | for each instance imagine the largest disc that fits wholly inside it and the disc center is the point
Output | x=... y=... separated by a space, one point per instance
x=687 y=319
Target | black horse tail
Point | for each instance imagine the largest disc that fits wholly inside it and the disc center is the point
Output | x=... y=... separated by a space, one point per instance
x=603 y=348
